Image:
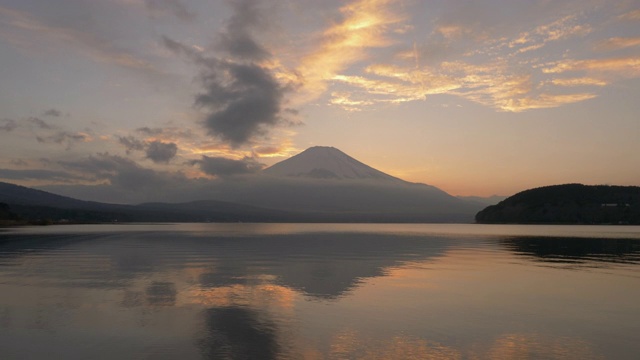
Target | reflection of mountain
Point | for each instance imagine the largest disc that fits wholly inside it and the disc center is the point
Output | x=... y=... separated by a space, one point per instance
x=321 y=265
x=576 y=250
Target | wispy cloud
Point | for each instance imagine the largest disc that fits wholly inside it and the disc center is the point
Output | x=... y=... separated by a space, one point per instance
x=67 y=138
x=98 y=49
x=631 y=15
x=508 y=73
x=626 y=66
x=617 y=43
x=583 y=81
x=559 y=29
x=8 y=125
x=161 y=8
x=365 y=24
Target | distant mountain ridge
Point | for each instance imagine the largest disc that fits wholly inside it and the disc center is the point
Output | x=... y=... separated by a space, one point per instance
x=567 y=204
x=37 y=205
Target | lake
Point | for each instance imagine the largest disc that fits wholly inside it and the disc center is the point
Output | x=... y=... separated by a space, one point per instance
x=320 y=291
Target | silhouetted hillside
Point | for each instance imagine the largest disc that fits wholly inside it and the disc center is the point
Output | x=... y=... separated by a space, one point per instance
x=567 y=204
x=43 y=207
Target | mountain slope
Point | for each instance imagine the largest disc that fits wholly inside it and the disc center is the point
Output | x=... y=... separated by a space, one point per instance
x=32 y=204
x=327 y=180
x=568 y=204
x=324 y=162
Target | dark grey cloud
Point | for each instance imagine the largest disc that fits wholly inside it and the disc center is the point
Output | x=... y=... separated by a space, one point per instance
x=131 y=143
x=36 y=174
x=238 y=37
x=64 y=138
x=7 y=125
x=242 y=97
x=160 y=8
x=53 y=112
x=220 y=166
x=40 y=123
x=19 y=162
x=122 y=174
x=160 y=152
x=149 y=131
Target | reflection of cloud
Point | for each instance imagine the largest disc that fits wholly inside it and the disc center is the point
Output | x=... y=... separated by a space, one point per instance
x=238 y=333
x=243 y=292
x=534 y=346
x=348 y=344
x=161 y=294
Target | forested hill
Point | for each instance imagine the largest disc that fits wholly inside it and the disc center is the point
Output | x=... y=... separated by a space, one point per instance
x=567 y=204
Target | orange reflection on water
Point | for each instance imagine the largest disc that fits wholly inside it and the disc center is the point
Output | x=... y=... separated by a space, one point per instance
x=536 y=346
x=257 y=296
x=348 y=344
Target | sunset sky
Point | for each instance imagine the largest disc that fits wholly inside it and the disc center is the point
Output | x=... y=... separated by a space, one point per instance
x=474 y=97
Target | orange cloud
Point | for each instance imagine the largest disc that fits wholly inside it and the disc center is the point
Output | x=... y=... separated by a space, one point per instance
x=579 y=82
x=617 y=43
x=629 y=66
x=631 y=15
x=365 y=25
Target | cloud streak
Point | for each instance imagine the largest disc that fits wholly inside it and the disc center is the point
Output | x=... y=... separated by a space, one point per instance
x=98 y=49
x=161 y=8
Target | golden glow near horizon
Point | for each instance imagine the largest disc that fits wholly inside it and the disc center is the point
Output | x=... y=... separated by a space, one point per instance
x=477 y=99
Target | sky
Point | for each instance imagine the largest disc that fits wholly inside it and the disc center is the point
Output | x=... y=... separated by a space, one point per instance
x=474 y=97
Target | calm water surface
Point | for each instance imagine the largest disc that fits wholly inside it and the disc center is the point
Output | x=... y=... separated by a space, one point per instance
x=320 y=291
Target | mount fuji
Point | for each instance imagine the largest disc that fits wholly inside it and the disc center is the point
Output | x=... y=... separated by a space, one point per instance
x=323 y=162
x=333 y=186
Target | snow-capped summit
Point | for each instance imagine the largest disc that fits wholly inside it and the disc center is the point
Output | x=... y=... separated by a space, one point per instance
x=326 y=162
